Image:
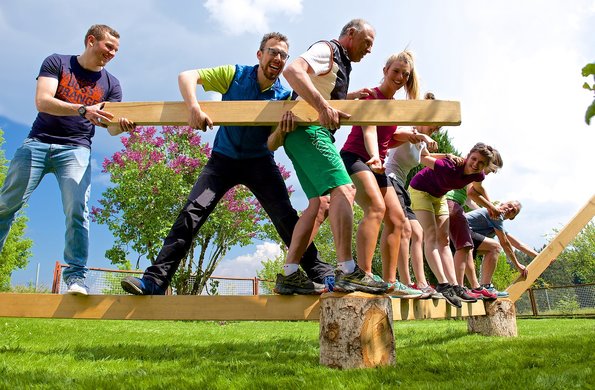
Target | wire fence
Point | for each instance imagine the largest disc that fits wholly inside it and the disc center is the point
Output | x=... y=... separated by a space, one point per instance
x=552 y=301
x=558 y=301
x=103 y=281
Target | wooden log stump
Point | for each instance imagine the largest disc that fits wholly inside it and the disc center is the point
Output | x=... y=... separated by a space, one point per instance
x=356 y=330
x=500 y=320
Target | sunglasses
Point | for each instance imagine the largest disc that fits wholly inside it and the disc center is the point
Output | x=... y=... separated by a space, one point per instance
x=274 y=52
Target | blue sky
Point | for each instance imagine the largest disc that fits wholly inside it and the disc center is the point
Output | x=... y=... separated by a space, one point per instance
x=514 y=66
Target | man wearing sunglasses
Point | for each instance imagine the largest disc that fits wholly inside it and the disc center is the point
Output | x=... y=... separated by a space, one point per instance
x=240 y=156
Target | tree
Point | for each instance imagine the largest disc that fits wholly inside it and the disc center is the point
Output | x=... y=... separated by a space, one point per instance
x=17 y=249
x=576 y=264
x=152 y=177
x=589 y=70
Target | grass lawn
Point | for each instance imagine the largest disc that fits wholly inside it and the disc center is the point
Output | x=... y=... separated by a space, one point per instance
x=46 y=353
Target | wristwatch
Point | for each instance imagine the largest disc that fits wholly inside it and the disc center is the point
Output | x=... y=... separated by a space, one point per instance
x=82 y=111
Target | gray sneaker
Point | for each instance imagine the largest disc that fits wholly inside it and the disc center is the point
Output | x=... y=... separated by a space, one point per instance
x=297 y=283
x=358 y=280
x=76 y=286
x=400 y=290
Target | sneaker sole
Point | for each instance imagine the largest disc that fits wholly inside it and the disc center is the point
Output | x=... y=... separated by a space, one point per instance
x=453 y=303
x=405 y=296
x=298 y=291
x=131 y=288
x=77 y=293
x=348 y=288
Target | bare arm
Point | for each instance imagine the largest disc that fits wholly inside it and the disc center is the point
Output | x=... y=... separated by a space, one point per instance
x=371 y=143
x=479 y=195
x=46 y=101
x=296 y=75
x=507 y=247
x=187 y=82
x=277 y=137
x=521 y=246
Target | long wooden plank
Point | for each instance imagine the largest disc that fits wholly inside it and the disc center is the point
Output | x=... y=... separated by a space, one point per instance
x=268 y=113
x=179 y=307
x=552 y=250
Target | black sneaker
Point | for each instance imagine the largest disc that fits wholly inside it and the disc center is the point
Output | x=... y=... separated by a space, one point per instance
x=137 y=286
x=358 y=280
x=449 y=294
x=297 y=283
x=462 y=294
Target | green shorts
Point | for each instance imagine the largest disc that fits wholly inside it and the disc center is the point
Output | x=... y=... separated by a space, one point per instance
x=421 y=200
x=316 y=161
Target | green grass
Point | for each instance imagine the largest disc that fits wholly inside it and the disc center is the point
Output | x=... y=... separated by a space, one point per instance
x=41 y=353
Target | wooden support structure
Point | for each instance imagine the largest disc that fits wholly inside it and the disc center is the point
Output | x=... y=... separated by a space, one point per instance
x=356 y=331
x=220 y=307
x=552 y=250
x=268 y=113
x=500 y=320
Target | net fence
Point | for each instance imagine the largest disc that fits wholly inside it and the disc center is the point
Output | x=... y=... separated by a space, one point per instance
x=101 y=281
x=563 y=300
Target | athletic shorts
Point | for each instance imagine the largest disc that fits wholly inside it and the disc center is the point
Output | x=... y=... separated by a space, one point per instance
x=354 y=164
x=459 y=231
x=477 y=240
x=421 y=200
x=316 y=161
x=404 y=198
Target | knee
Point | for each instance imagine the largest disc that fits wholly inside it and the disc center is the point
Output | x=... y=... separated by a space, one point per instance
x=346 y=191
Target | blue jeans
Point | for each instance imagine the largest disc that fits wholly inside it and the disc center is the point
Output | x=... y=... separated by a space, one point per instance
x=72 y=167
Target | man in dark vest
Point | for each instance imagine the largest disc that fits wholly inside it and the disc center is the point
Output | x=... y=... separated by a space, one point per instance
x=240 y=156
x=319 y=75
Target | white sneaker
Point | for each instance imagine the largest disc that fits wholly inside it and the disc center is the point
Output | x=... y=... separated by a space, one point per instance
x=77 y=287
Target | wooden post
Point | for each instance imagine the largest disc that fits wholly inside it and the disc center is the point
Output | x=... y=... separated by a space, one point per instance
x=500 y=320
x=553 y=249
x=356 y=330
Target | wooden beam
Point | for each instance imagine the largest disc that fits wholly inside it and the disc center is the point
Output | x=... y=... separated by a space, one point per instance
x=552 y=250
x=220 y=307
x=268 y=113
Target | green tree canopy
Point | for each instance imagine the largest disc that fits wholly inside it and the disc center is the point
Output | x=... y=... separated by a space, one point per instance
x=17 y=249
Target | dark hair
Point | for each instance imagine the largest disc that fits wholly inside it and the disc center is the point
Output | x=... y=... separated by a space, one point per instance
x=272 y=35
x=99 y=31
x=356 y=24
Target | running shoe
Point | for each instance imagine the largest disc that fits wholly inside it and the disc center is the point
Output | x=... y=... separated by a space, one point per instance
x=463 y=295
x=499 y=294
x=484 y=293
x=358 y=280
x=297 y=283
x=450 y=295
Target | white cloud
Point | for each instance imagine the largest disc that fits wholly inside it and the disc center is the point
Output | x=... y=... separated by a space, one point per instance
x=247 y=16
x=248 y=264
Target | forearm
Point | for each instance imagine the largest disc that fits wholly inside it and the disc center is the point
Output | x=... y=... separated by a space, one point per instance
x=276 y=139
x=522 y=247
x=371 y=141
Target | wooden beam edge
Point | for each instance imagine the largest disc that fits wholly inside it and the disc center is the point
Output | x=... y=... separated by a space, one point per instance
x=207 y=308
x=564 y=237
x=250 y=113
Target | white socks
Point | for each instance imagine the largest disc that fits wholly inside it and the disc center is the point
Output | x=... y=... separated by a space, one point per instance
x=289 y=269
x=346 y=267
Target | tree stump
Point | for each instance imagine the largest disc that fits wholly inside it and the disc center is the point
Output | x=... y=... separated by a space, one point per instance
x=500 y=320
x=356 y=330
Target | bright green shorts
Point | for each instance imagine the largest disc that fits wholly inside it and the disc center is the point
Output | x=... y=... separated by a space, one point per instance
x=316 y=161
x=421 y=200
